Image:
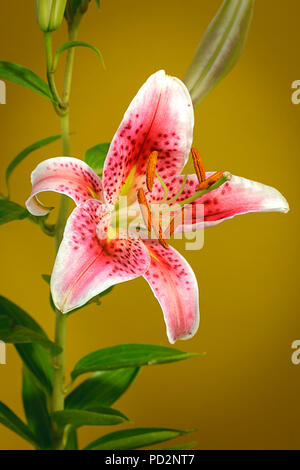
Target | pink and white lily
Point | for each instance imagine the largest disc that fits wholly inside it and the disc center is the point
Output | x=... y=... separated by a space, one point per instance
x=92 y=257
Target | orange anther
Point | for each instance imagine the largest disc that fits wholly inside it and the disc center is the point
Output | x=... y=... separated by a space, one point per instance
x=209 y=181
x=150 y=171
x=150 y=220
x=198 y=165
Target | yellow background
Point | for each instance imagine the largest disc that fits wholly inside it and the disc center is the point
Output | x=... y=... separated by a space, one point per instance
x=246 y=392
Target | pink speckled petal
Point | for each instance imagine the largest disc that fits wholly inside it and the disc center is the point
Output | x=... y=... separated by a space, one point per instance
x=161 y=118
x=174 y=284
x=237 y=196
x=63 y=175
x=88 y=262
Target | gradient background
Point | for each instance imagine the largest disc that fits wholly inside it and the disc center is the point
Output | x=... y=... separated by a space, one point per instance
x=245 y=392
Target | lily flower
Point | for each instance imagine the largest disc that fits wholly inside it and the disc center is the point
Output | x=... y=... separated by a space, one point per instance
x=144 y=163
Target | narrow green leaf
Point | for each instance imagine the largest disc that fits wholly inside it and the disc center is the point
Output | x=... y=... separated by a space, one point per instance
x=35 y=407
x=72 y=442
x=47 y=278
x=23 y=154
x=98 y=3
x=99 y=416
x=95 y=156
x=130 y=439
x=188 y=445
x=36 y=358
x=25 y=77
x=19 y=317
x=21 y=335
x=103 y=388
x=220 y=47
x=69 y=44
x=10 y=211
x=128 y=355
x=9 y=419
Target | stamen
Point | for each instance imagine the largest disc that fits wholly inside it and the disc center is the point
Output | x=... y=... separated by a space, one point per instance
x=209 y=181
x=150 y=171
x=198 y=165
x=224 y=177
x=150 y=220
x=177 y=219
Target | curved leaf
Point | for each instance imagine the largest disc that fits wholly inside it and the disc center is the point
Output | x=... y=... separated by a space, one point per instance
x=23 y=154
x=71 y=442
x=128 y=355
x=95 y=156
x=35 y=407
x=103 y=388
x=69 y=44
x=36 y=358
x=220 y=47
x=130 y=439
x=100 y=416
x=10 y=211
x=25 y=77
x=21 y=335
x=9 y=419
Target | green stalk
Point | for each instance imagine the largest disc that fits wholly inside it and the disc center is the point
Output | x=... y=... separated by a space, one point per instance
x=62 y=109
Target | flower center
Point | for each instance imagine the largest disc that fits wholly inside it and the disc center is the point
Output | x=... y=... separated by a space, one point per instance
x=205 y=185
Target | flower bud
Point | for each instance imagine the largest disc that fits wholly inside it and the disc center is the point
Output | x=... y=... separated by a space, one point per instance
x=220 y=48
x=50 y=14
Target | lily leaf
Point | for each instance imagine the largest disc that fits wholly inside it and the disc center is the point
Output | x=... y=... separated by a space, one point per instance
x=130 y=439
x=128 y=355
x=9 y=419
x=187 y=445
x=35 y=407
x=25 y=77
x=220 y=48
x=21 y=335
x=72 y=442
x=69 y=44
x=10 y=211
x=23 y=154
x=98 y=417
x=103 y=388
x=95 y=156
x=36 y=358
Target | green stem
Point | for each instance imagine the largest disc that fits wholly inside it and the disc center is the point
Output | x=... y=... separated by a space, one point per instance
x=73 y=31
x=60 y=327
x=58 y=105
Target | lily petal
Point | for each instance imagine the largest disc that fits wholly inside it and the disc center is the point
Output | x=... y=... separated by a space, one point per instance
x=88 y=262
x=235 y=197
x=174 y=284
x=65 y=175
x=160 y=118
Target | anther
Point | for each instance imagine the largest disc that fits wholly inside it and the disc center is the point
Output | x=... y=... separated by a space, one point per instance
x=150 y=171
x=198 y=165
x=210 y=181
x=150 y=220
